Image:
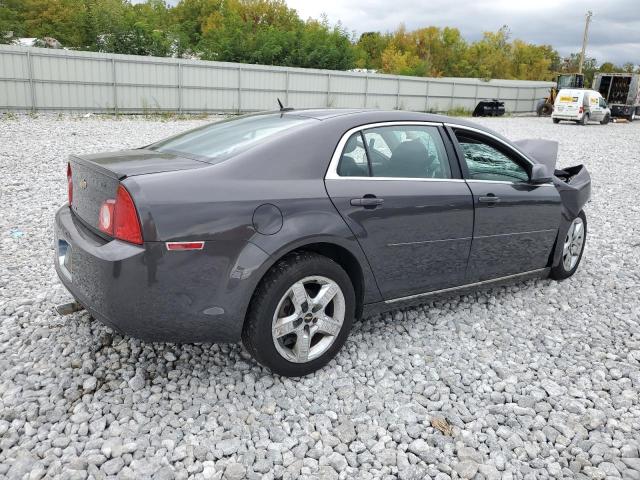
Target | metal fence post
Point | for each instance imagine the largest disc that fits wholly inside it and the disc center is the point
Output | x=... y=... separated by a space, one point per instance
x=426 y=97
x=115 y=85
x=453 y=94
x=179 y=87
x=31 y=85
x=366 y=89
x=239 y=90
x=286 y=90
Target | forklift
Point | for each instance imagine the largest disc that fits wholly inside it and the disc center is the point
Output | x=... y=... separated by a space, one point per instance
x=568 y=80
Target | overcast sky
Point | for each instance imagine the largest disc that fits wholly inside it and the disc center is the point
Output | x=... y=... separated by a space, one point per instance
x=614 y=34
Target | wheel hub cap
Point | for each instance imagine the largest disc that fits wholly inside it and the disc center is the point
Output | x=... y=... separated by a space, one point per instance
x=573 y=244
x=308 y=319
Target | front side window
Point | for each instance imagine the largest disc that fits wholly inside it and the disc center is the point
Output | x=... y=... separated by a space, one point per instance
x=486 y=162
x=407 y=151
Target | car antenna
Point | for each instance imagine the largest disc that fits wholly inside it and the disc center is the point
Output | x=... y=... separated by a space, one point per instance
x=282 y=107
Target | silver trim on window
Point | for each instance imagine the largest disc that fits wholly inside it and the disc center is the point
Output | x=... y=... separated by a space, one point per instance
x=528 y=184
x=332 y=171
x=493 y=137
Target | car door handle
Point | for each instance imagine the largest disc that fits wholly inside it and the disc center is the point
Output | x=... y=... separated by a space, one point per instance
x=367 y=202
x=490 y=198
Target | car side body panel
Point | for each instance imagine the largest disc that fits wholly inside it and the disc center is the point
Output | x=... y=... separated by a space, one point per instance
x=250 y=210
x=418 y=239
x=515 y=234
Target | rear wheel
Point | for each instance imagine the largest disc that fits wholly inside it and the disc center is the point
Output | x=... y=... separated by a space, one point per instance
x=301 y=314
x=572 y=248
x=584 y=119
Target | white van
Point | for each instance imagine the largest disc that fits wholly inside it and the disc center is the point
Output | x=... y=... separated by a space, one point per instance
x=580 y=106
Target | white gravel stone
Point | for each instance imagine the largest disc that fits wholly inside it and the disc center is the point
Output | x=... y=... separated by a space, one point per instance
x=537 y=380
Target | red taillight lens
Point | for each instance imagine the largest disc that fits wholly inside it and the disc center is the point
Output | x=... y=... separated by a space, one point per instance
x=69 y=184
x=126 y=225
x=119 y=218
x=581 y=110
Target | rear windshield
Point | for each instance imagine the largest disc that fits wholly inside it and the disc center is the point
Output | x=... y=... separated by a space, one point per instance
x=218 y=141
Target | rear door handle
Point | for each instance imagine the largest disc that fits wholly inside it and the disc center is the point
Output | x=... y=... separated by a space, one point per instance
x=367 y=202
x=490 y=198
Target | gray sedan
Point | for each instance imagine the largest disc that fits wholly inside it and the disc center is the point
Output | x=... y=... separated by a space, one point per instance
x=281 y=228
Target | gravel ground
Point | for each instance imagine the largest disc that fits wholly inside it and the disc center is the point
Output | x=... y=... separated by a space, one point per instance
x=537 y=380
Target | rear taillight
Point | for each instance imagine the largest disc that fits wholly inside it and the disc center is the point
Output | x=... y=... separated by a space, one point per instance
x=581 y=110
x=69 y=184
x=119 y=218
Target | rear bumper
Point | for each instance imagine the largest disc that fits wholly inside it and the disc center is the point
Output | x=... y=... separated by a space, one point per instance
x=566 y=116
x=152 y=294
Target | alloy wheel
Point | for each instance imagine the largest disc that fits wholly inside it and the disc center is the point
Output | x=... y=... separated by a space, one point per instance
x=573 y=244
x=308 y=319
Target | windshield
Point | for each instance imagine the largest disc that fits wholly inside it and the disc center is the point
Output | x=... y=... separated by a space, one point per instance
x=218 y=141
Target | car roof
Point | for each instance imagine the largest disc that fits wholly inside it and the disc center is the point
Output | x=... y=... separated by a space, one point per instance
x=366 y=114
x=357 y=117
x=579 y=91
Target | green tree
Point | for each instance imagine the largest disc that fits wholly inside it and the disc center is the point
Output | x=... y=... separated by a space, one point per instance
x=369 y=50
x=11 y=21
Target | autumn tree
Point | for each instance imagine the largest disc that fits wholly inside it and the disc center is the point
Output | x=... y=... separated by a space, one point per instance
x=269 y=32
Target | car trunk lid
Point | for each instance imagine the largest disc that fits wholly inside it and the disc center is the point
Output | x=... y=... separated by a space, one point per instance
x=96 y=178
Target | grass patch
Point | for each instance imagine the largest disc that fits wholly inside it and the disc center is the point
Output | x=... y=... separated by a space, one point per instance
x=458 y=112
x=9 y=116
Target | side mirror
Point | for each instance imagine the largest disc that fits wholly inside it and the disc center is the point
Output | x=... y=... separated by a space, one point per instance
x=539 y=174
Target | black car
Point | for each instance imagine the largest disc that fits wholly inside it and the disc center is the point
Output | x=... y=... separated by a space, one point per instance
x=281 y=228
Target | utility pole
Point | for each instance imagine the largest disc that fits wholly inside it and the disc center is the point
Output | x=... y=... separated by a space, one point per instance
x=584 y=39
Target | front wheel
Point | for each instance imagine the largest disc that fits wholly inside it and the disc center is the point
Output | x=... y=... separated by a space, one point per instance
x=300 y=315
x=556 y=120
x=572 y=248
x=605 y=120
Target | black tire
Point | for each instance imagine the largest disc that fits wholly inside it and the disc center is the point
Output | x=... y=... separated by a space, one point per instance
x=545 y=110
x=556 y=120
x=560 y=272
x=584 y=119
x=605 y=120
x=632 y=117
x=257 y=332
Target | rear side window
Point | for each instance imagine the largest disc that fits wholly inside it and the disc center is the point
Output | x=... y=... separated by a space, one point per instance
x=353 y=161
x=407 y=151
x=485 y=161
x=404 y=151
x=219 y=141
